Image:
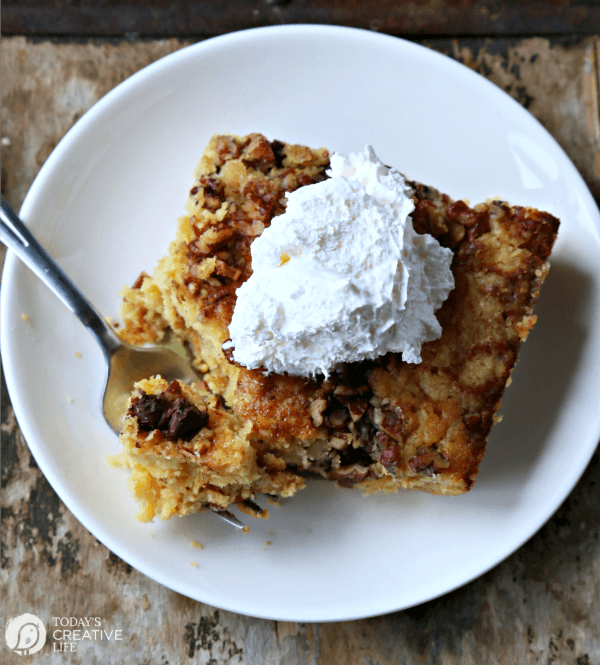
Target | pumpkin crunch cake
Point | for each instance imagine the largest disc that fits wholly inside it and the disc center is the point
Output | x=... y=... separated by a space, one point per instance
x=380 y=424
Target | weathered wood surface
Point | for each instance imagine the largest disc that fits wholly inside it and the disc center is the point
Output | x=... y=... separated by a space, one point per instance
x=541 y=605
x=212 y=17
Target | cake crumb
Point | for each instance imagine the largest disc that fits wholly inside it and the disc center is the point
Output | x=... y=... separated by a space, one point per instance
x=497 y=419
x=78 y=354
x=193 y=563
x=26 y=318
x=195 y=543
x=246 y=529
x=145 y=603
x=268 y=542
x=70 y=400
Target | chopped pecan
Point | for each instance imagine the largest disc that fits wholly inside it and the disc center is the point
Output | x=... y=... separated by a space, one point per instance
x=428 y=218
x=357 y=408
x=174 y=388
x=259 y=153
x=383 y=440
x=342 y=390
x=365 y=431
x=478 y=222
x=349 y=475
x=217 y=294
x=426 y=461
x=461 y=213
x=392 y=421
x=419 y=465
x=388 y=457
x=260 y=197
x=210 y=240
x=338 y=418
x=316 y=409
x=227 y=149
x=340 y=441
x=213 y=192
x=225 y=270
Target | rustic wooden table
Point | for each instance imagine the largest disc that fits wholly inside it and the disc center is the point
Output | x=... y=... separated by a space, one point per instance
x=540 y=605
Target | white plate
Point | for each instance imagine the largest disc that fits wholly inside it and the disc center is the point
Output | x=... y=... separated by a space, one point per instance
x=105 y=205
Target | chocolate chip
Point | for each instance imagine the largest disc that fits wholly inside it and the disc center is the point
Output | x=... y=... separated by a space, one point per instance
x=149 y=410
x=179 y=420
x=185 y=420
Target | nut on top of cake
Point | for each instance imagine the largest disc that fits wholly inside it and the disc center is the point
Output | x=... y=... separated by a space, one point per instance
x=379 y=423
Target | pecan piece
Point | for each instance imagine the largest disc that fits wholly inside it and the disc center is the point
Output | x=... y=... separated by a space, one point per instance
x=210 y=240
x=388 y=457
x=227 y=149
x=419 y=465
x=260 y=197
x=217 y=294
x=213 y=192
x=338 y=418
x=316 y=409
x=225 y=270
x=461 y=213
x=428 y=218
x=259 y=153
x=349 y=475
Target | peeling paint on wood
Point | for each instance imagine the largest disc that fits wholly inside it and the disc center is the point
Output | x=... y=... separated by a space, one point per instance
x=541 y=605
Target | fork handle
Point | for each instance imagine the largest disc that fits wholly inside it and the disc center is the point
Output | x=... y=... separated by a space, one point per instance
x=15 y=235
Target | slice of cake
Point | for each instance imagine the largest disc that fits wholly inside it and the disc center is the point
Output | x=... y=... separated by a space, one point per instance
x=186 y=452
x=376 y=424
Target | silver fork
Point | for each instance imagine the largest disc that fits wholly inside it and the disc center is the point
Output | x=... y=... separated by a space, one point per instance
x=125 y=364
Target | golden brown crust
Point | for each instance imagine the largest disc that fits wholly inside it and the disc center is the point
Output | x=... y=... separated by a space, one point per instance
x=379 y=424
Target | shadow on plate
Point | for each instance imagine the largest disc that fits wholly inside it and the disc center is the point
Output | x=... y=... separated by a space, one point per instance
x=548 y=364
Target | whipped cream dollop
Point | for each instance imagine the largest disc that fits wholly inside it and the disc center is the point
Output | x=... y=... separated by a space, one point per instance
x=341 y=276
